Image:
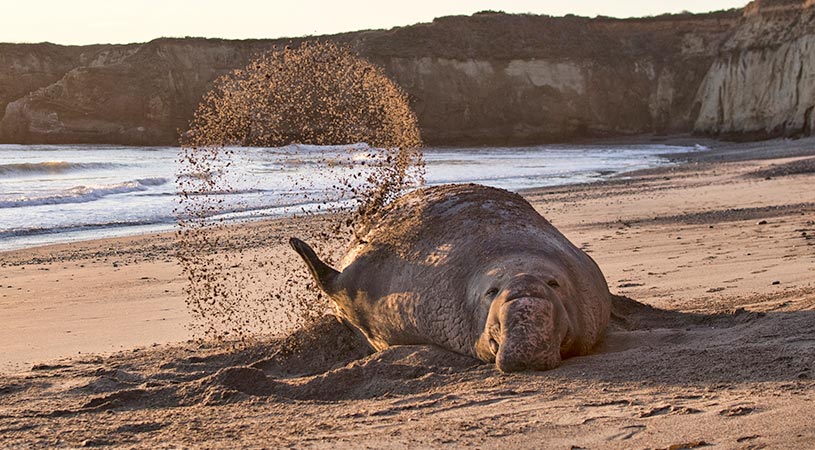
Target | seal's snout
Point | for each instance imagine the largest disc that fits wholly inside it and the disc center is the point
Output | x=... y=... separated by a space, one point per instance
x=525 y=324
x=528 y=337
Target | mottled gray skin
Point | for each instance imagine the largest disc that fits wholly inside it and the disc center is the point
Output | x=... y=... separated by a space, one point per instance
x=472 y=269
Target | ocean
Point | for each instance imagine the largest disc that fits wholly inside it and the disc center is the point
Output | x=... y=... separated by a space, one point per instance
x=59 y=193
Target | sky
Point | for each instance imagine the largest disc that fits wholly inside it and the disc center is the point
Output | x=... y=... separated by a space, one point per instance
x=115 y=21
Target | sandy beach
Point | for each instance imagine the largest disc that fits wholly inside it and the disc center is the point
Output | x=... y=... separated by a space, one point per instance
x=711 y=343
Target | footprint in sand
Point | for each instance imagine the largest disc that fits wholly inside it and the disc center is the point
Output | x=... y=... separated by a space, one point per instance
x=626 y=433
x=668 y=410
x=737 y=411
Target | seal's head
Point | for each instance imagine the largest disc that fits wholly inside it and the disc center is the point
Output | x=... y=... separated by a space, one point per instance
x=526 y=323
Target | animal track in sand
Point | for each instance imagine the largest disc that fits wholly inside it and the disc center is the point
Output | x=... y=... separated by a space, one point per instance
x=627 y=432
x=668 y=410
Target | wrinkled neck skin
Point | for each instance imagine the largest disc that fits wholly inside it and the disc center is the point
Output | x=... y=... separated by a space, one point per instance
x=525 y=324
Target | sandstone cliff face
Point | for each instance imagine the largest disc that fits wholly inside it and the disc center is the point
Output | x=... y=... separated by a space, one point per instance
x=141 y=94
x=762 y=84
x=486 y=79
x=520 y=79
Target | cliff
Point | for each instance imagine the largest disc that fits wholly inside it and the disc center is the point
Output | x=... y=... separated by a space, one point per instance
x=762 y=82
x=490 y=78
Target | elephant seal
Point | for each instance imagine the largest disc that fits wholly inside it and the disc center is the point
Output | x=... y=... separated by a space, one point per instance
x=472 y=269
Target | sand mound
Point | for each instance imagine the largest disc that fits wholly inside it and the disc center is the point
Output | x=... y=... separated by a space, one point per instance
x=323 y=346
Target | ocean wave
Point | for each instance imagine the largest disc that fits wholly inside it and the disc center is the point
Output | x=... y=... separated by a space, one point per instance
x=49 y=167
x=33 y=231
x=155 y=181
x=83 y=194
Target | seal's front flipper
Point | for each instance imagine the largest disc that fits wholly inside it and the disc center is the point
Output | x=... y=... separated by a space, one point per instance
x=323 y=274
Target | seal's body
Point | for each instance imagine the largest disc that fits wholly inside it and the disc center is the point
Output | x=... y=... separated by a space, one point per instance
x=472 y=269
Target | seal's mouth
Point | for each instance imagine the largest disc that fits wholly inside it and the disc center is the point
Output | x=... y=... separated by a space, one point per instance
x=494 y=346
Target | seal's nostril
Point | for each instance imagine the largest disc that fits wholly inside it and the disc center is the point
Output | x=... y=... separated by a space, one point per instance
x=493 y=346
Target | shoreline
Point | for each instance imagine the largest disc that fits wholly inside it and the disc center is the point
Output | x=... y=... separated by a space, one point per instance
x=80 y=233
x=724 y=244
x=142 y=267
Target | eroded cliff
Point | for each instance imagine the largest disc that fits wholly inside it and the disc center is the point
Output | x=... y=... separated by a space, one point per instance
x=762 y=83
x=490 y=78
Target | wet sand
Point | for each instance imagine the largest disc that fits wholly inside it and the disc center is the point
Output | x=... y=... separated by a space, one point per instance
x=723 y=246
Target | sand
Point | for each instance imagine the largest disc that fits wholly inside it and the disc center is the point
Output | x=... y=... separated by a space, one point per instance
x=711 y=343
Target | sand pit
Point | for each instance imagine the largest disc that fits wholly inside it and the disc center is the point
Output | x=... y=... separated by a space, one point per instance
x=710 y=344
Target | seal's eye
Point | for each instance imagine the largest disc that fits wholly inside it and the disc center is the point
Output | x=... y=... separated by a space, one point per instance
x=492 y=292
x=553 y=283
